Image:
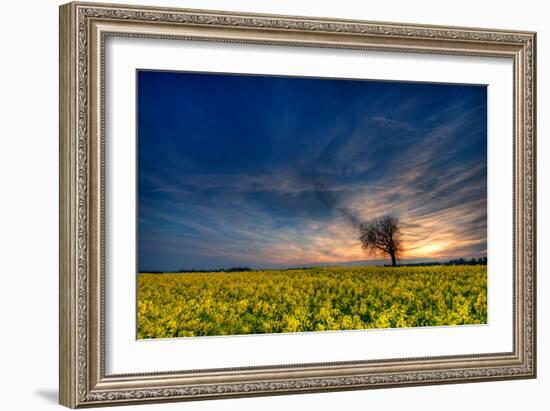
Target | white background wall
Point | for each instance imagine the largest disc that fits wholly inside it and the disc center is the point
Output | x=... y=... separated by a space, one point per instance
x=28 y=206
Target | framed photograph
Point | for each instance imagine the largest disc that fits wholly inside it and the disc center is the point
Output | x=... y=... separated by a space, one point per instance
x=259 y=204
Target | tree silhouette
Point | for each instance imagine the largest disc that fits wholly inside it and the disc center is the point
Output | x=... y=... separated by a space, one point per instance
x=382 y=236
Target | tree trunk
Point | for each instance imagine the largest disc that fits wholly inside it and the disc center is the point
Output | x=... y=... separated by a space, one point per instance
x=393 y=260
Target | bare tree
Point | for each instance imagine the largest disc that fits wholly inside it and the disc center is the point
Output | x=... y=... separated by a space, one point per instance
x=382 y=236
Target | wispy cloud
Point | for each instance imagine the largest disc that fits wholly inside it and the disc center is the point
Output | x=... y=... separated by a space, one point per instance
x=395 y=125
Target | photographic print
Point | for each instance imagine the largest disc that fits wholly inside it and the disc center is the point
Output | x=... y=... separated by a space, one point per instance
x=241 y=193
x=276 y=204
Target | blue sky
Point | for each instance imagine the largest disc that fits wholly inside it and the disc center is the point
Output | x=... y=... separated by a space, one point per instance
x=259 y=171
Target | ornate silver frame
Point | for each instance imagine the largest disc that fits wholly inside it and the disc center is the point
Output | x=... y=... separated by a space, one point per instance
x=83 y=30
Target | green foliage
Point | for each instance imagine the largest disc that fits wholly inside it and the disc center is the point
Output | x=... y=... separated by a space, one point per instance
x=311 y=299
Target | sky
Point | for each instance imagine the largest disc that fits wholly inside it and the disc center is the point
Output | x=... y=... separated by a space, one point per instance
x=274 y=172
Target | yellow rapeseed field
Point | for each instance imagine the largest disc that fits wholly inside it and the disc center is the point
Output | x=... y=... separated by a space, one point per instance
x=312 y=299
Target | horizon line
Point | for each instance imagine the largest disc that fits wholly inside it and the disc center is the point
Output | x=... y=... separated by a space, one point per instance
x=382 y=262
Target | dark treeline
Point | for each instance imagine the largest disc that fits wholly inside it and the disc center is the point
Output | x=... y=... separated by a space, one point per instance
x=458 y=261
